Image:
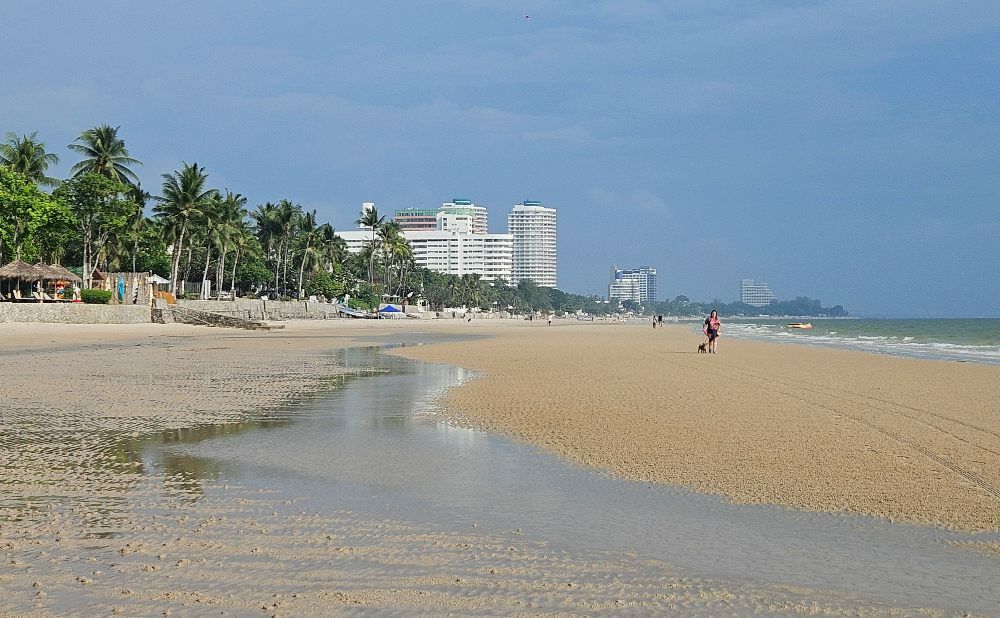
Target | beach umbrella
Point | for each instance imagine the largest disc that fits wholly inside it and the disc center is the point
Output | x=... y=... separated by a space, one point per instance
x=389 y=309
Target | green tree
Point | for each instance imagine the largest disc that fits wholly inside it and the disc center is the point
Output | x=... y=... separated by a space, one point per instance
x=101 y=207
x=231 y=228
x=27 y=156
x=104 y=153
x=370 y=218
x=24 y=213
x=185 y=198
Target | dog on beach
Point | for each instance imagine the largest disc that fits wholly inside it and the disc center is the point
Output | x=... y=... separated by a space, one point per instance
x=702 y=349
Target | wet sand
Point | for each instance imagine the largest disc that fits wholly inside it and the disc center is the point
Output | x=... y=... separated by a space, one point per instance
x=821 y=429
x=87 y=527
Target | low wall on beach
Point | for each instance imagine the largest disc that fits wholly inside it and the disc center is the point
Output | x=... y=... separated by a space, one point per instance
x=74 y=313
x=257 y=309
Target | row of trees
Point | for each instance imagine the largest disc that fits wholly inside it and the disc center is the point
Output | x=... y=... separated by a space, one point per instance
x=97 y=219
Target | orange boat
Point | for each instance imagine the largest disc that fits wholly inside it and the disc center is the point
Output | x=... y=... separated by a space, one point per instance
x=802 y=325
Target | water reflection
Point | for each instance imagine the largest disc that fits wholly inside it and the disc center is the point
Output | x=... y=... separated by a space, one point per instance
x=377 y=448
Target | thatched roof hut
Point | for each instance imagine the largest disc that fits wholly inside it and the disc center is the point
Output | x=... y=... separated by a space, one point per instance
x=63 y=274
x=23 y=271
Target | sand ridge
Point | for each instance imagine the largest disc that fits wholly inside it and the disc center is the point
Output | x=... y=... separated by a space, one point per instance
x=821 y=429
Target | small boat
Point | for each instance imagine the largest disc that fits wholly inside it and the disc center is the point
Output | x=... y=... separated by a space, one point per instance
x=802 y=325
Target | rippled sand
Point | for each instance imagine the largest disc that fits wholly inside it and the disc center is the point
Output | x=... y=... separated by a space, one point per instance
x=87 y=528
x=821 y=429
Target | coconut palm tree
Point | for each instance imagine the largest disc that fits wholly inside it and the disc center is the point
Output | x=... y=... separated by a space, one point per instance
x=370 y=218
x=26 y=156
x=104 y=153
x=232 y=215
x=185 y=197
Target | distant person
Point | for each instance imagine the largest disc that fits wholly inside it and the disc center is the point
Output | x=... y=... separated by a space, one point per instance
x=654 y=322
x=712 y=329
x=659 y=319
x=550 y=319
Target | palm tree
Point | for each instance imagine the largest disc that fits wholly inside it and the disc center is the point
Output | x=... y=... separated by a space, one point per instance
x=240 y=238
x=232 y=215
x=26 y=156
x=388 y=237
x=137 y=222
x=266 y=225
x=184 y=198
x=286 y=219
x=370 y=218
x=311 y=251
x=104 y=153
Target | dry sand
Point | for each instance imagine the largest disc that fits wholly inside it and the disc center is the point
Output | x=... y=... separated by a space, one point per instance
x=85 y=529
x=820 y=429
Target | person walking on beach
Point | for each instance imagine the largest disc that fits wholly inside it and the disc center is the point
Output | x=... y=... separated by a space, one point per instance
x=712 y=329
x=550 y=319
x=654 y=322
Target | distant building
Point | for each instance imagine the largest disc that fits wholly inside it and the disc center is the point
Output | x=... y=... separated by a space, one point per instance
x=533 y=229
x=452 y=246
x=635 y=284
x=754 y=293
x=416 y=219
x=426 y=219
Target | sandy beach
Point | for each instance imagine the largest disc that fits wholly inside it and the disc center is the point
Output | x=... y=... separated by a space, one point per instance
x=819 y=429
x=88 y=525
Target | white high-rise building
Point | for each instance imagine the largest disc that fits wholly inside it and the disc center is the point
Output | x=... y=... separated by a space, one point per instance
x=533 y=228
x=635 y=284
x=754 y=293
x=452 y=249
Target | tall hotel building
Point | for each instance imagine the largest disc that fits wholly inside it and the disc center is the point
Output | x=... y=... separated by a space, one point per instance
x=448 y=240
x=533 y=228
x=635 y=284
x=754 y=293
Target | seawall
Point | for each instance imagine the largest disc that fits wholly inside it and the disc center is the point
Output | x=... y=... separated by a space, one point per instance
x=74 y=313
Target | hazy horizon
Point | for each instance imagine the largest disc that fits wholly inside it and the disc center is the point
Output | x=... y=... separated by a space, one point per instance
x=846 y=151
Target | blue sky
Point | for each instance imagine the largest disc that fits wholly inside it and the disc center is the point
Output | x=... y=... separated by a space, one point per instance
x=845 y=150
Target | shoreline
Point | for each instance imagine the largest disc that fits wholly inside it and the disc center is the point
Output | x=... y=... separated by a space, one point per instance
x=87 y=520
x=813 y=428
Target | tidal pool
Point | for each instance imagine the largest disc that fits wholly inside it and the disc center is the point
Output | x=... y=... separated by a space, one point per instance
x=376 y=446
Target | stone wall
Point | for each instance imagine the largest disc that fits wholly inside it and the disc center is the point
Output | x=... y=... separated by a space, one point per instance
x=74 y=313
x=257 y=309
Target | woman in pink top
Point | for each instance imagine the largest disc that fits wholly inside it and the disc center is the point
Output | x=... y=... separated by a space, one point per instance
x=712 y=329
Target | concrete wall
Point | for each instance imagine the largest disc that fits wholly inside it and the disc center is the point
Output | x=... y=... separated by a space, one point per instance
x=74 y=313
x=256 y=309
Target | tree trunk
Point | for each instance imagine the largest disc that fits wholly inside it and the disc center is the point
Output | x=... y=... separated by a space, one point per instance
x=204 y=274
x=176 y=265
x=236 y=260
x=220 y=268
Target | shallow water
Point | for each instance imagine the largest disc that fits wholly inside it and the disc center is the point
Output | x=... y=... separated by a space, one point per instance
x=375 y=446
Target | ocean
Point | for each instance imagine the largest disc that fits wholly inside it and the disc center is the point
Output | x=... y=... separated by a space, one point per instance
x=958 y=339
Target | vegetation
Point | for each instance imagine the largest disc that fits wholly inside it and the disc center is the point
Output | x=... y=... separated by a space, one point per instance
x=98 y=219
x=95 y=296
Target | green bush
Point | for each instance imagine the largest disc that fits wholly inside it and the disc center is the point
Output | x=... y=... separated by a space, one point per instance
x=95 y=297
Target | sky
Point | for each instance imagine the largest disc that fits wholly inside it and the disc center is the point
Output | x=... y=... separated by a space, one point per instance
x=846 y=150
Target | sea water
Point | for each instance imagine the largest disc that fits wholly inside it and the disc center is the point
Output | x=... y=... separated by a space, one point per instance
x=958 y=339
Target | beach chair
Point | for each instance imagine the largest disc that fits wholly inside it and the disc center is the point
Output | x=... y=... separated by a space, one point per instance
x=20 y=299
x=2 y=297
x=50 y=299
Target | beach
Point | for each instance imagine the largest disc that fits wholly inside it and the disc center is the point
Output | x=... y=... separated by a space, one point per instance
x=155 y=468
x=820 y=429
